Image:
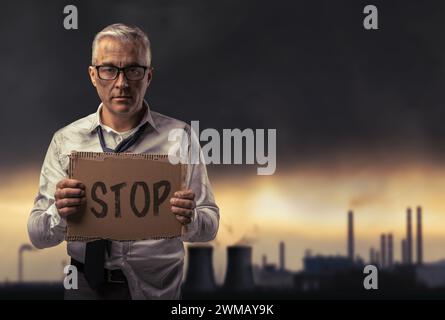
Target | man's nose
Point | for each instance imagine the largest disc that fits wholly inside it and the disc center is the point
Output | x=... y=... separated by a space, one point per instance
x=121 y=81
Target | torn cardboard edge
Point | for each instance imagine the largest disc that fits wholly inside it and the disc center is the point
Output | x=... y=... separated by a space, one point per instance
x=102 y=156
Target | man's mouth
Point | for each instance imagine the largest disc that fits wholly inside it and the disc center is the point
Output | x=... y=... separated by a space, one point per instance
x=122 y=97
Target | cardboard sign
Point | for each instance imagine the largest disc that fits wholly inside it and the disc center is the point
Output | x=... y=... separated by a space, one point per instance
x=128 y=196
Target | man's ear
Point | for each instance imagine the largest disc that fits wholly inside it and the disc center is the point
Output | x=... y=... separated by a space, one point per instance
x=149 y=77
x=92 y=72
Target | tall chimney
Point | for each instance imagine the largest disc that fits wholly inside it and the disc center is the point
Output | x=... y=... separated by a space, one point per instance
x=390 y=261
x=383 y=251
x=409 y=238
x=419 y=236
x=372 y=259
x=377 y=258
x=239 y=274
x=282 y=267
x=351 y=235
x=264 y=261
x=200 y=275
x=22 y=248
x=404 y=251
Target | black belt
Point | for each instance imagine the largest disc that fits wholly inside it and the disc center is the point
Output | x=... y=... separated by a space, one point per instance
x=111 y=276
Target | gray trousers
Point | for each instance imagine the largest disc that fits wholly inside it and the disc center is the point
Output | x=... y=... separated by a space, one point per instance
x=109 y=291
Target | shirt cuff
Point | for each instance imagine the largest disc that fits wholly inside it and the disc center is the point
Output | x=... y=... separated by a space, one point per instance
x=189 y=230
x=56 y=221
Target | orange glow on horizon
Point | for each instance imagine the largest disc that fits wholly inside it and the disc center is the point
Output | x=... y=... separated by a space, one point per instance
x=306 y=207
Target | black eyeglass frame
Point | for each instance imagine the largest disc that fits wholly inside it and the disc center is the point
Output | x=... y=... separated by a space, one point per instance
x=119 y=70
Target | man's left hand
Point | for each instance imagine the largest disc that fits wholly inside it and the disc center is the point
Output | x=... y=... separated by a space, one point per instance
x=183 y=204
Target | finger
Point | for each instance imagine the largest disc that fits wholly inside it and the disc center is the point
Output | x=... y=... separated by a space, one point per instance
x=181 y=211
x=64 y=212
x=182 y=203
x=69 y=193
x=70 y=202
x=70 y=183
x=183 y=220
x=185 y=194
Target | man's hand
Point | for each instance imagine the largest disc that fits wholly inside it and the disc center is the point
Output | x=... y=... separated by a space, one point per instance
x=183 y=204
x=70 y=196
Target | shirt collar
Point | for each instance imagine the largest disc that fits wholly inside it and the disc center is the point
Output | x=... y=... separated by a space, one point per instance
x=147 y=118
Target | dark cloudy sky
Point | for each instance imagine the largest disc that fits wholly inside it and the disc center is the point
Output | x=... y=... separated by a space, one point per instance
x=307 y=68
x=334 y=91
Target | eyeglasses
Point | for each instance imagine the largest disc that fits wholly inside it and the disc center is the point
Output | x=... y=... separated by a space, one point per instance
x=132 y=73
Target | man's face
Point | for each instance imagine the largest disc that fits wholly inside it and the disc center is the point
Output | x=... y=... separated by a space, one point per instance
x=120 y=96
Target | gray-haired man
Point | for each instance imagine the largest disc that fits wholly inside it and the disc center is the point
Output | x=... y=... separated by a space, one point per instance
x=121 y=72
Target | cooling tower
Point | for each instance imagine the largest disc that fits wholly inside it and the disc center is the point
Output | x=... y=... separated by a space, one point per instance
x=239 y=274
x=200 y=275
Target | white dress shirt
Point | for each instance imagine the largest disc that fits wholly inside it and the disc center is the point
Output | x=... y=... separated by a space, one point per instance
x=154 y=268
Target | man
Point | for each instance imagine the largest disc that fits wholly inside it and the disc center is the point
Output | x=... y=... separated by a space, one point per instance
x=151 y=269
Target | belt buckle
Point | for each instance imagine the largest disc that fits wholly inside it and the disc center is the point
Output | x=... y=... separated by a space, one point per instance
x=109 y=278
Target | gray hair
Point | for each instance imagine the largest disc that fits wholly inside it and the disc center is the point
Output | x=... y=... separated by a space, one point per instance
x=124 y=33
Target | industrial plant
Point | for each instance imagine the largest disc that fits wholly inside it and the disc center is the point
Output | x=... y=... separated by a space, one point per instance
x=322 y=276
x=331 y=276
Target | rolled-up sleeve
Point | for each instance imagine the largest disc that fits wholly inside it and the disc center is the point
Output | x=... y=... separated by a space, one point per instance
x=205 y=219
x=46 y=228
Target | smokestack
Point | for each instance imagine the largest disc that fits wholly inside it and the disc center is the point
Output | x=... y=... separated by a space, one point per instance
x=351 y=235
x=390 y=261
x=372 y=259
x=404 y=251
x=383 y=251
x=200 y=275
x=409 y=238
x=22 y=248
x=264 y=261
x=377 y=258
x=419 y=237
x=282 y=267
x=239 y=275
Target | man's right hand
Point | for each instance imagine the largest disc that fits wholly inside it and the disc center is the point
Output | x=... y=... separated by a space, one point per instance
x=70 y=196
